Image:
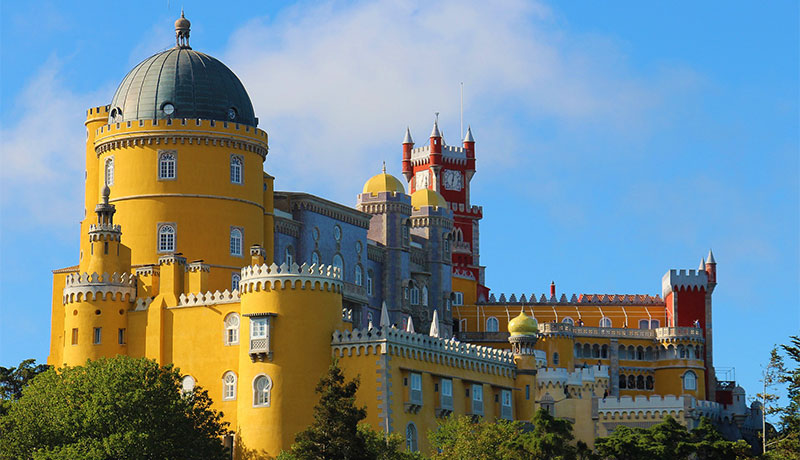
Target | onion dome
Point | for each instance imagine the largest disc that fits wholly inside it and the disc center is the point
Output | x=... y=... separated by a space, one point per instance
x=523 y=325
x=427 y=197
x=383 y=183
x=182 y=83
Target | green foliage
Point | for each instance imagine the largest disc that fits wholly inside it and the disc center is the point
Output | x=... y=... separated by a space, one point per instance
x=14 y=379
x=111 y=409
x=669 y=440
x=545 y=438
x=335 y=433
x=786 y=443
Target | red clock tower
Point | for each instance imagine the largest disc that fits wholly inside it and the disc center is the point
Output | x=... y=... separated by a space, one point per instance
x=448 y=169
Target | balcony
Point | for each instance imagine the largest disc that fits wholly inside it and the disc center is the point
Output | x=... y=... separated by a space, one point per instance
x=259 y=350
x=414 y=403
x=445 y=406
x=354 y=293
x=660 y=333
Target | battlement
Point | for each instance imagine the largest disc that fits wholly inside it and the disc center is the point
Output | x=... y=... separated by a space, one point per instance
x=102 y=110
x=640 y=405
x=180 y=131
x=583 y=299
x=461 y=209
x=683 y=279
x=324 y=277
x=560 y=376
x=449 y=352
x=79 y=287
x=98 y=232
x=208 y=298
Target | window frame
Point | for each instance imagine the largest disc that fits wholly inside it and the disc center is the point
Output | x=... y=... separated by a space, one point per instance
x=234 y=161
x=370 y=287
x=259 y=321
x=412 y=437
x=495 y=322
x=358 y=275
x=231 y=331
x=97 y=336
x=167 y=158
x=693 y=379
x=229 y=385
x=236 y=251
x=108 y=178
x=236 y=279
x=458 y=298
x=606 y=320
x=266 y=391
x=162 y=249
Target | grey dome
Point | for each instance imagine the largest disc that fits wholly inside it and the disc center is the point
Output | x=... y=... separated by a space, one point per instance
x=196 y=85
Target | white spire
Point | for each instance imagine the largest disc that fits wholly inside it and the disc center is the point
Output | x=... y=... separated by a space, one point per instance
x=410 y=326
x=369 y=325
x=468 y=137
x=702 y=265
x=434 y=324
x=385 y=322
x=710 y=258
x=407 y=139
x=435 y=132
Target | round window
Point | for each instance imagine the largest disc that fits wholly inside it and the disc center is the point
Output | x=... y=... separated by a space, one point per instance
x=337 y=233
x=231 y=113
x=315 y=234
x=358 y=247
x=168 y=108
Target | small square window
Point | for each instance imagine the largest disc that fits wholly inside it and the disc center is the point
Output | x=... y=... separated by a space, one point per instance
x=121 y=336
x=97 y=335
x=75 y=336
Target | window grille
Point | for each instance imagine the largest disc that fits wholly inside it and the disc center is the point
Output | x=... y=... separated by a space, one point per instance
x=166 y=238
x=167 y=165
x=236 y=169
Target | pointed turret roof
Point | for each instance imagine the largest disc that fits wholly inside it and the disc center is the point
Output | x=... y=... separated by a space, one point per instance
x=410 y=326
x=702 y=265
x=385 y=322
x=468 y=137
x=407 y=139
x=435 y=132
x=434 y=325
x=710 y=258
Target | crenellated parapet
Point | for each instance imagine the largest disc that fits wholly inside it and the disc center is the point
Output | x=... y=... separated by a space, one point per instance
x=560 y=377
x=314 y=277
x=105 y=232
x=683 y=279
x=207 y=299
x=644 y=407
x=582 y=299
x=83 y=286
x=447 y=352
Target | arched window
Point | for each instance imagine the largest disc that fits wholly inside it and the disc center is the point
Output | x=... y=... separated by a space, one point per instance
x=640 y=353
x=492 y=325
x=671 y=352
x=288 y=256
x=315 y=258
x=359 y=275
x=188 y=384
x=109 y=171
x=232 y=329
x=604 y=352
x=424 y=296
x=622 y=381
x=648 y=383
x=587 y=350
x=622 y=352
x=681 y=351
x=640 y=382
x=595 y=351
x=229 y=386
x=568 y=320
x=236 y=169
x=644 y=324
x=414 y=293
x=167 y=165
x=369 y=282
x=236 y=242
x=577 y=350
x=411 y=437
x=166 y=238
x=605 y=321
x=689 y=381
x=631 y=382
x=235 y=278
x=555 y=359
x=654 y=324
x=648 y=353
x=631 y=352
x=262 y=387
x=338 y=263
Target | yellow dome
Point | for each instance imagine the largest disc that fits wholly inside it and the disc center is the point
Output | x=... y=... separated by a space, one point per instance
x=523 y=325
x=427 y=197
x=383 y=183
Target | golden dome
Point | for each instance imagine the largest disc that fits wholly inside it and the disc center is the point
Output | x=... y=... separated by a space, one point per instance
x=383 y=183
x=523 y=325
x=427 y=197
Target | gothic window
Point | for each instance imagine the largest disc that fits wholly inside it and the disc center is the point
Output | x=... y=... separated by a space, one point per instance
x=690 y=381
x=631 y=382
x=424 y=299
x=166 y=238
x=411 y=437
x=640 y=353
x=595 y=351
x=359 y=275
x=338 y=262
x=262 y=387
x=229 y=386
x=648 y=353
x=640 y=382
x=232 y=329
x=622 y=381
x=623 y=354
x=236 y=242
x=604 y=352
x=648 y=383
x=492 y=325
x=315 y=258
x=414 y=292
x=681 y=351
x=235 y=279
x=631 y=352
x=587 y=350
x=236 y=169
x=577 y=350
x=605 y=321
x=369 y=282
x=109 y=171
x=167 y=166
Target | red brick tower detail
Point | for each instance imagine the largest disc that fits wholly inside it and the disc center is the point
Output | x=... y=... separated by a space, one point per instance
x=449 y=169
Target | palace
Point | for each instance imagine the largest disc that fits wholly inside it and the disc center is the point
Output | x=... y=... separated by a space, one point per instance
x=192 y=258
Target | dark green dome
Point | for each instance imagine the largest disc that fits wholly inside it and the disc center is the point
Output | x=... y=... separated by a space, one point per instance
x=182 y=83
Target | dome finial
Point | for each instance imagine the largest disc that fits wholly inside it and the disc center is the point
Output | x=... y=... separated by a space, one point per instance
x=182 y=26
x=384 y=166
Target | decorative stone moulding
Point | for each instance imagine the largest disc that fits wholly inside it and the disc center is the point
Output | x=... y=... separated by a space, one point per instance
x=98 y=231
x=198 y=267
x=324 y=277
x=208 y=298
x=148 y=270
x=142 y=303
x=583 y=299
x=83 y=286
x=422 y=347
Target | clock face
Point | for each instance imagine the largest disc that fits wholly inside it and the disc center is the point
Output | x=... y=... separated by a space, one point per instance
x=453 y=180
x=422 y=180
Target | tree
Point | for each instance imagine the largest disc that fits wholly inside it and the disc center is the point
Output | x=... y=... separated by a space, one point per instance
x=707 y=443
x=335 y=433
x=14 y=379
x=109 y=409
x=551 y=438
x=770 y=377
x=787 y=442
x=624 y=443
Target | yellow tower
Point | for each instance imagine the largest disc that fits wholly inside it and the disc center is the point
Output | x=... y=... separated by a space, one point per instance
x=523 y=332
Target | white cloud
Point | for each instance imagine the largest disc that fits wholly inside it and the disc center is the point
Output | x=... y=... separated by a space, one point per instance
x=336 y=84
x=43 y=152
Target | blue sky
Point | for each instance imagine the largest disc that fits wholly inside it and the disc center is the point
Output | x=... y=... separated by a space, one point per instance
x=615 y=140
